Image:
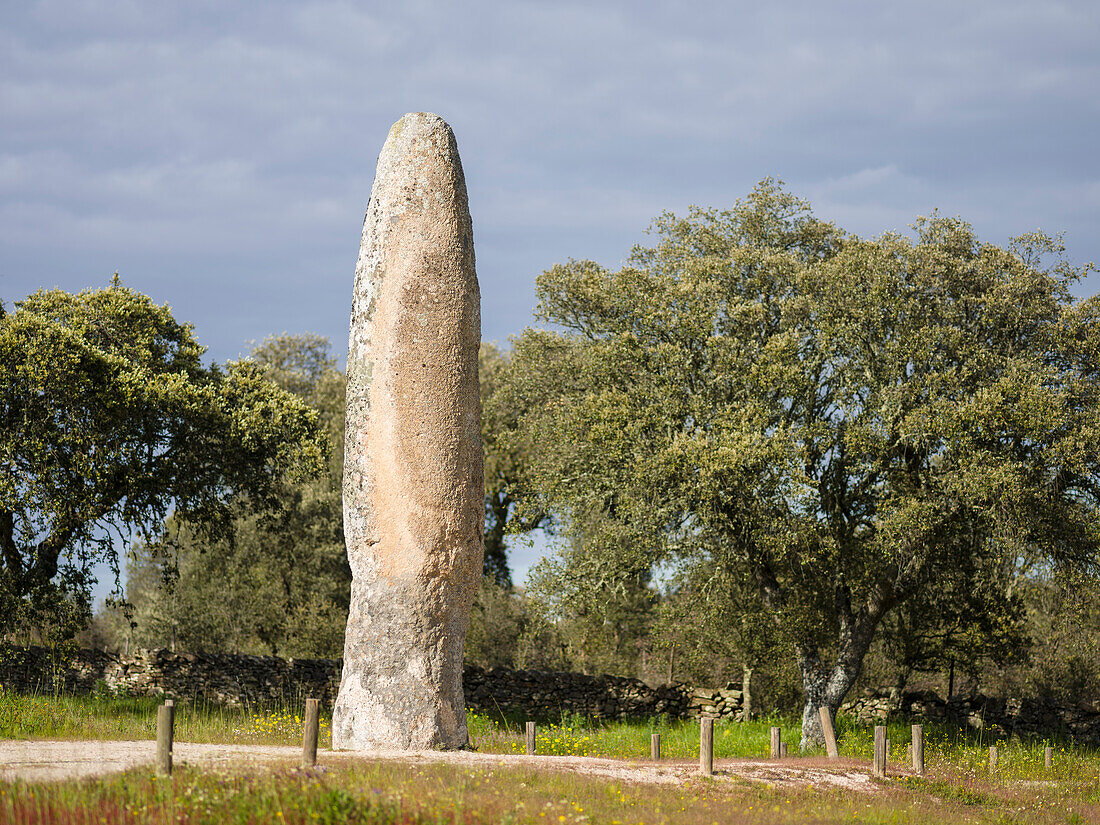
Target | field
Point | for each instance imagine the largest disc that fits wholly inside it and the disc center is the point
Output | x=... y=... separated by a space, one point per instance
x=108 y=717
x=958 y=786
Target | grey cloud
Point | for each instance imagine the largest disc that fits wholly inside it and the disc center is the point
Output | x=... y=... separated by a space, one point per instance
x=211 y=149
x=220 y=154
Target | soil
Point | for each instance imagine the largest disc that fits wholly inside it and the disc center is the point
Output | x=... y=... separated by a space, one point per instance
x=49 y=761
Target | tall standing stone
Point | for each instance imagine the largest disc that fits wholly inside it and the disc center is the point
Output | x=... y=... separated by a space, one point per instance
x=413 y=490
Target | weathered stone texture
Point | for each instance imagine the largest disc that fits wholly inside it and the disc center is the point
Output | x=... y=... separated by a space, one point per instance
x=413 y=490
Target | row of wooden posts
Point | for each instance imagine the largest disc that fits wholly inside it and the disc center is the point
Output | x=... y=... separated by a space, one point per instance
x=779 y=747
x=166 y=715
x=916 y=751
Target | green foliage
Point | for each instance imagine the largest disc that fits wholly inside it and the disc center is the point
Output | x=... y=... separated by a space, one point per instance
x=936 y=631
x=594 y=637
x=507 y=457
x=1064 y=612
x=497 y=624
x=110 y=421
x=707 y=622
x=279 y=582
x=841 y=426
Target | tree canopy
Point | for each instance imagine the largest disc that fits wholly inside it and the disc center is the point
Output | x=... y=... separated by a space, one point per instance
x=280 y=582
x=507 y=457
x=110 y=422
x=838 y=426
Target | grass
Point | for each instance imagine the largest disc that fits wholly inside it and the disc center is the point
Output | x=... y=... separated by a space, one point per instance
x=575 y=736
x=389 y=793
x=957 y=787
x=962 y=749
x=107 y=717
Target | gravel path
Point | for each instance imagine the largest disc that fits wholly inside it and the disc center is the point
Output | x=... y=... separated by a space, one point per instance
x=47 y=761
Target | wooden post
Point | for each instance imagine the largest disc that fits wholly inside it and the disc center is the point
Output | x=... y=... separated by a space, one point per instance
x=1048 y=758
x=782 y=750
x=706 y=746
x=166 y=715
x=879 y=765
x=828 y=732
x=992 y=758
x=655 y=746
x=530 y=738
x=776 y=739
x=918 y=749
x=309 y=734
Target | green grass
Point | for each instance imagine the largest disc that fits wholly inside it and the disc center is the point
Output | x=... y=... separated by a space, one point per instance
x=958 y=786
x=621 y=740
x=106 y=718
x=962 y=749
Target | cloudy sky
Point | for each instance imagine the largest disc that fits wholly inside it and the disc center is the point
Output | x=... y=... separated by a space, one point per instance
x=220 y=155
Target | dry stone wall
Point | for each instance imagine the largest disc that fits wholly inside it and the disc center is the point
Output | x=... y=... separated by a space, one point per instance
x=999 y=717
x=551 y=694
x=220 y=679
x=235 y=680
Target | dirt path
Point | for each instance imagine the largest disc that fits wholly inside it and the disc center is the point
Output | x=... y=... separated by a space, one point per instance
x=46 y=761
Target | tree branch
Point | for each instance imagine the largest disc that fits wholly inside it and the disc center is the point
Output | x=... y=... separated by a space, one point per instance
x=10 y=550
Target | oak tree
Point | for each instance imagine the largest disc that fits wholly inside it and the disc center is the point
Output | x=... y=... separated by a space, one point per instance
x=843 y=424
x=507 y=458
x=111 y=421
x=279 y=582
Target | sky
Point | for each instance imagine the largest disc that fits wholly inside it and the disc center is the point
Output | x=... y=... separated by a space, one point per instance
x=220 y=155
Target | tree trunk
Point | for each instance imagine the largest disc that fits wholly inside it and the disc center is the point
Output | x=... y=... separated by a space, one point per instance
x=495 y=564
x=814 y=684
x=746 y=693
x=825 y=686
x=897 y=690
